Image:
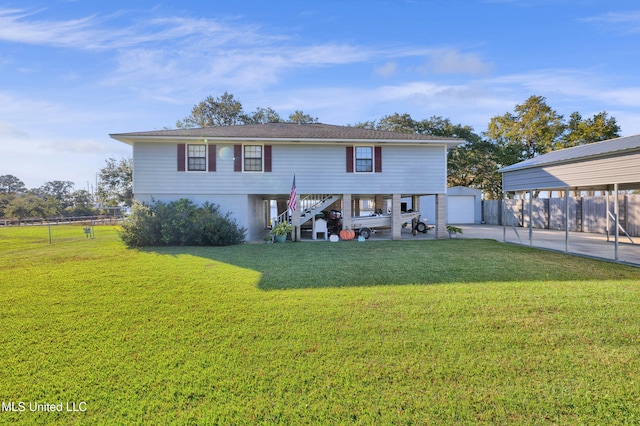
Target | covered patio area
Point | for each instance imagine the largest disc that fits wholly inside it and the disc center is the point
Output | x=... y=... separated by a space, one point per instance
x=610 y=167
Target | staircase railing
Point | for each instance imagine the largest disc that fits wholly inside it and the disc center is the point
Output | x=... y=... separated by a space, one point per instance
x=309 y=204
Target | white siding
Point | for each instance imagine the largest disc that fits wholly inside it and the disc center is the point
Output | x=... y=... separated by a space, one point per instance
x=406 y=169
x=418 y=169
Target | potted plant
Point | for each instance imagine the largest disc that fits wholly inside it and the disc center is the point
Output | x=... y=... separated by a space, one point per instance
x=453 y=230
x=281 y=230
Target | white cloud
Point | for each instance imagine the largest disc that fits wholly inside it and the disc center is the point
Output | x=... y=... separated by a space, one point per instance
x=628 y=22
x=164 y=73
x=447 y=61
x=585 y=85
x=15 y=27
x=8 y=131
x=386 y=70
x=80 y=146
x=93 y=32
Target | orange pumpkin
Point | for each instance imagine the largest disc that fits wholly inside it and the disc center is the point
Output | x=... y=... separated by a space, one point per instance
x=347 y=234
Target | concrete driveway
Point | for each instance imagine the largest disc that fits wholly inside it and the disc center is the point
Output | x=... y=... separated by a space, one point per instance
x=579 y=243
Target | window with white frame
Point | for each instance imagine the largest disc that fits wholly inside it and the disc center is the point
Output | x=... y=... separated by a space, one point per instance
x=197 y=158
x=364 y=159
x=253 y=158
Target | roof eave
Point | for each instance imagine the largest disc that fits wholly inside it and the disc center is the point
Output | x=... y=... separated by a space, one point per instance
x=570 y=160
x=132 y=139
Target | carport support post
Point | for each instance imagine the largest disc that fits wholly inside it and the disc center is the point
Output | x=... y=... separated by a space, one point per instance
x=616 y=213
x=566 y=220
x=531 y=218
x=504 y=221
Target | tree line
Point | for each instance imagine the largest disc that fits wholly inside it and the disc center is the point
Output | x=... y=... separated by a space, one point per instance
x=59 y=198
x=533 y=128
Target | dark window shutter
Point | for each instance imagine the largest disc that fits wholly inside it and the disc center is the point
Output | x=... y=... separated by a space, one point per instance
x=267 y=158
x=378 y=159
x=350 y=159
x=181 y=156
x=237 y=158
x=212 y=157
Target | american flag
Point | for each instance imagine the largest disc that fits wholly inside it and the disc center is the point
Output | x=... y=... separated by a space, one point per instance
x=292 y=196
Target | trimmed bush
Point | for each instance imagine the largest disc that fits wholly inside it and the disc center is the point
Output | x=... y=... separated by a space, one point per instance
x=179 y=223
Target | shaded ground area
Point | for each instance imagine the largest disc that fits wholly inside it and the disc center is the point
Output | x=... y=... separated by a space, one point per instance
x=385 y=262
x=581 y=243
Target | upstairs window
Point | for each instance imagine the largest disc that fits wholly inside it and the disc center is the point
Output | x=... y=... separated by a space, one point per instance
x=197 y=158
x=253 y=158
x=364 y=159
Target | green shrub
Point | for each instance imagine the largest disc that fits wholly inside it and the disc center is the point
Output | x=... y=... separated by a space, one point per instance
x=179 y=223
x=140 y=228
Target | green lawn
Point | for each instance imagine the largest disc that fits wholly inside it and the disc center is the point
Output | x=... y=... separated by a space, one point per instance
x=382 y=332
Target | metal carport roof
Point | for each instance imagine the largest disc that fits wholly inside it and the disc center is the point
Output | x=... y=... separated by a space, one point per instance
x=611 y=165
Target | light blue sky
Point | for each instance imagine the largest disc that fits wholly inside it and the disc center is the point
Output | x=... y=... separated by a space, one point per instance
x=71 y=72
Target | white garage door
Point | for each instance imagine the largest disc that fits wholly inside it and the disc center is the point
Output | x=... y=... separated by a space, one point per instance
x=461 y=209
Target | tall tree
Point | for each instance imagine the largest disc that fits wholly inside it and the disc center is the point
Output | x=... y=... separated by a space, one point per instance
x=532 y=130
x=82 y=203
x=262 y=116
x=58 y=189
x=115 y=182
x=581 y=131
x=301 y=118
x=473 y=163
x=30 y=205
x=10 y=184
x=228 y=111
x=220 y=111
x=5 y=199
x=402 y=123
x=535 y=128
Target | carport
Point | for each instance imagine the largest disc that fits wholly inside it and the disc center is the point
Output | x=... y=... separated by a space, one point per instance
x=610 y=167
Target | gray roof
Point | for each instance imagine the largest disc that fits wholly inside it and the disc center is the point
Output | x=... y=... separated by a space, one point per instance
x=284 y=131
x=593 y=150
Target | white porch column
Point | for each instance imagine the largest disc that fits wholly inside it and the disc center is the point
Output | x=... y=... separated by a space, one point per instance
x=346 y=211
x=441 y=216
x=396 y=217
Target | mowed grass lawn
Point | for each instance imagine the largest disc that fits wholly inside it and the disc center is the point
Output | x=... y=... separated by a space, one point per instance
x=382 y=332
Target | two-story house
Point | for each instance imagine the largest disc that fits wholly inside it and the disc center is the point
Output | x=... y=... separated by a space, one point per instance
x=249 y=169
